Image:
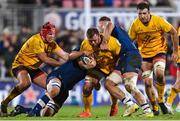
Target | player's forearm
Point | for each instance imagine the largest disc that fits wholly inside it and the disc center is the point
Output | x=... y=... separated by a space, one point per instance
x=53 y=62
x=75 y=54
x=108 y=31
x=175 y=41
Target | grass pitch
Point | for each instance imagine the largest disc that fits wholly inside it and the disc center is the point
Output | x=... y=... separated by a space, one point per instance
x=98 y=113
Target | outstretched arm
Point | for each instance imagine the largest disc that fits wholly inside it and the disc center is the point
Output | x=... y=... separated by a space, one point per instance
x=75 y=54
x=107 y=33
x=175 y=41
x=108 y=30
x=45 y=59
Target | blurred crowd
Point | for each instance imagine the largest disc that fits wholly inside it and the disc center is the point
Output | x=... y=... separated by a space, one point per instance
x=80 y=3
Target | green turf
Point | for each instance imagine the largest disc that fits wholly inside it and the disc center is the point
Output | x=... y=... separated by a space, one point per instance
x=99 y=113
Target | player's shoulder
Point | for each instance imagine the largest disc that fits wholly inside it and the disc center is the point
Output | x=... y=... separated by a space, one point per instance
x=179 y=31
x=85 y=42
x=113 y=41
x=156 y=17
x=136 y=20
x=35 y=38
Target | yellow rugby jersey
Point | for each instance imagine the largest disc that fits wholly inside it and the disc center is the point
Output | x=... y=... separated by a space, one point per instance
x=106 y=59
x=178 y=61
x=27 y=55
x=150 y=38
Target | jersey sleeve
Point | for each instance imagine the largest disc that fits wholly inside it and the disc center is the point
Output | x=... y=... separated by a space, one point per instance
x=165 y=25
x=56 y=48
x=179 y=31
x=83 y=46
x=131 y=32
x=117 y=46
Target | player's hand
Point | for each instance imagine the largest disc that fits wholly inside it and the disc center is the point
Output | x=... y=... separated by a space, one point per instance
x=87 y=62
x=174 y=56
x=104 y=45
x=88 y=53
x=91 y=63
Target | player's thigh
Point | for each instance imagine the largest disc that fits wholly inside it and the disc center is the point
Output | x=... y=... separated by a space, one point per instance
x=40 y=80
x=146 y=66
x=22 y=76
x=159 y=64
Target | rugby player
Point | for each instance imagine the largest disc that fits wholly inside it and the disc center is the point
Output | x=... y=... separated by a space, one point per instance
x=148 y=30
x=35 y=51
x=106 y=62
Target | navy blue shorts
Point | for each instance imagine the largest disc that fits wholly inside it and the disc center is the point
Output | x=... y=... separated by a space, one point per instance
x=129 y=62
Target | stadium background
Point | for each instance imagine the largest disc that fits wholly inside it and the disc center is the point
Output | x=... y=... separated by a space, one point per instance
x=22 y=18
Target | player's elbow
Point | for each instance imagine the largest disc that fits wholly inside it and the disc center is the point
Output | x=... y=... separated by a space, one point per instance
x=173 y=32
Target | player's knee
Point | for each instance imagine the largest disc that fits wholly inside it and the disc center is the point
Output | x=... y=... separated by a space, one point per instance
x=176 y=85
x=109 y=84
x=159 y=68
x=128 y=88
x=23 y=85
x=130 y=84
x=87 y=91
x=160 y=79
x=147 y=75
x=53 y=88
x=114 y=79
x=87 y=88
x=160 y=76
x=54 y=92
x=148 y=82
x=132 y=89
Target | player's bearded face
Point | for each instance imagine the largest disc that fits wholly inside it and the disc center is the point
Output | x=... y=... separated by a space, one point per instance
x=95 y=40
x=51 y=36
x=144 y=15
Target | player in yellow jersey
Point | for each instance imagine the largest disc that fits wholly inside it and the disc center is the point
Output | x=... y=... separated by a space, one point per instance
x=34 y=52
x=176 y=87
x=106 y=61
x=148 y=32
